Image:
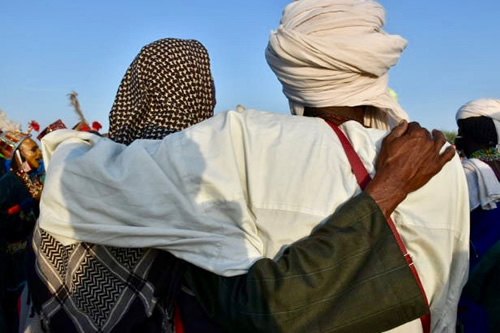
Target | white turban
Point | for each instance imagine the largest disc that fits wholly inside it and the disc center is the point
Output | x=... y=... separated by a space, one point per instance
x=482 y=107
x=335 y=53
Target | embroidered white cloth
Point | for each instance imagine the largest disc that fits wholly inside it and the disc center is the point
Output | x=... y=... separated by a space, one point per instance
x=335 y=53
x=240 y=186
x=484 y=188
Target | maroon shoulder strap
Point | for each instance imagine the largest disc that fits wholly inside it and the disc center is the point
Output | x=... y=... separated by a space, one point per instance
x=363 y=178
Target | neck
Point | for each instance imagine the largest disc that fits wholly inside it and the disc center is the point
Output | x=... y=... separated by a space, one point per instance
x=337 y=114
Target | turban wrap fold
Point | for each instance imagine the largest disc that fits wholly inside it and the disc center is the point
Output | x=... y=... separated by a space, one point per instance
x=335 y=53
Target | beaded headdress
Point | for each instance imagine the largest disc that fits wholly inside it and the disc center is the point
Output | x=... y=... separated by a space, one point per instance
x=10 y=141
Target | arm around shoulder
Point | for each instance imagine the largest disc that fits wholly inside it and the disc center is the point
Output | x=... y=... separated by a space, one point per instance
x=321 y=282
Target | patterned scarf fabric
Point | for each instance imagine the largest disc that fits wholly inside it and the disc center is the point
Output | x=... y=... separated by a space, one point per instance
x=91 y=288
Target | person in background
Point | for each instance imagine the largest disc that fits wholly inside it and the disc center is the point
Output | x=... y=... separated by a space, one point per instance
x=20 y=190
x=3 y=166
x=6 y=123
x=478 y=140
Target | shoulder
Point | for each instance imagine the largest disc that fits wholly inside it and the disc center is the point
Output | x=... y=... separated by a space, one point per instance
x=12 y=189
x=10 y=180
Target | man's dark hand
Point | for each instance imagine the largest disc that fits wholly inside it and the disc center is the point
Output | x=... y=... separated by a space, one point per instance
x=410 y=156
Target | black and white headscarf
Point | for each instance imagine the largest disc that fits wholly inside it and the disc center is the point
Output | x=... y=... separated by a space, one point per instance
x=167 y=88
x=90 y=288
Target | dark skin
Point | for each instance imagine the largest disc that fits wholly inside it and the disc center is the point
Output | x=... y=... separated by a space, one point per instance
x=467 y=145
x=475 y=133
x=410 y=156
x=31 y=153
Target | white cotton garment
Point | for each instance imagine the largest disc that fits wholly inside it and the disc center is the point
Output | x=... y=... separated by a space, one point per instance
x=242 y=186
x=484 y=187
x=336 y=53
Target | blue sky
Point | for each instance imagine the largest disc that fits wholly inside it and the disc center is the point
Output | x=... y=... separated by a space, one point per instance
x=49 y=48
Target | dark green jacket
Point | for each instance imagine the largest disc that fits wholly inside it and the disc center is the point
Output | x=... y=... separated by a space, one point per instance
x=348 y=276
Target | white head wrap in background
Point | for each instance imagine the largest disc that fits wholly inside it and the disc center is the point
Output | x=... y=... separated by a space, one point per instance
x=335 y=53
x=484 y=188
x=487 y=107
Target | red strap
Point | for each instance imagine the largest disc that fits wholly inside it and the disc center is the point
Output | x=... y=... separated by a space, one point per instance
x=178 y=322
x=358 y=168
x=363 y=178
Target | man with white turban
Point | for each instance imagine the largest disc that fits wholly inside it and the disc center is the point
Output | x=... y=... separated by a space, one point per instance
x=479 y=141
x=333 y=58
x=245 y=186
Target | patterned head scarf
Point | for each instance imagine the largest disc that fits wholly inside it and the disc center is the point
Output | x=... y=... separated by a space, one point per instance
x=167 y=88
x=335 y=53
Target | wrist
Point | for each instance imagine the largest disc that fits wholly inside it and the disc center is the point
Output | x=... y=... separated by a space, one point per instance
x=387 y=196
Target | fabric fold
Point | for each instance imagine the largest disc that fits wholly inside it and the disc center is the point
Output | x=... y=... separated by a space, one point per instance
x=484 y=188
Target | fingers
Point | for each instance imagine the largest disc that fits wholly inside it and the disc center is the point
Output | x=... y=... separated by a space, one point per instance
x=439 y=142
x=447 y=155
x=411 y=156
x=415 y=130
x=412 y=129
x=438 y=135
x=439 y=139
x=398 y=130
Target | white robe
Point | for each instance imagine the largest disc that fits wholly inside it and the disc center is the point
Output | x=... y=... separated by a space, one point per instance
x=484 y=187
x=240 y=186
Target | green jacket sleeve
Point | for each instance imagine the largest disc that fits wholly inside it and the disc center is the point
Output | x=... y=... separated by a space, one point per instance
x=347 y=276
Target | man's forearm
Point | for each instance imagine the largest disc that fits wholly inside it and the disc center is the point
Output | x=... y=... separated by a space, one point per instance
x=348 y=275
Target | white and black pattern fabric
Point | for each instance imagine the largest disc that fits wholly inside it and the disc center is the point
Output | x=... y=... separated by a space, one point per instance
x=167 y=88
x=90 y=288
x=90 y=283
